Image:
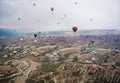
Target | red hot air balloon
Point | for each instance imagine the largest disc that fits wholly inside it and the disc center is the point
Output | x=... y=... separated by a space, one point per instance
x=35 y=35
x=9 y=71
x=52 y=9
x=74 y=28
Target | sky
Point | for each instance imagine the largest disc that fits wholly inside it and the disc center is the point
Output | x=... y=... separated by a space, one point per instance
x=23 y=15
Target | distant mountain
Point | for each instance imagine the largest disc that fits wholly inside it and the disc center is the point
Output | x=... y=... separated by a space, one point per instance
x=93 y=32
x=79 y=32
x=8 y=32
x=99 y=32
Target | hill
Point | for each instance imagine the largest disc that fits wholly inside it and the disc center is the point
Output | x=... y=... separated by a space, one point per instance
x=8 y=32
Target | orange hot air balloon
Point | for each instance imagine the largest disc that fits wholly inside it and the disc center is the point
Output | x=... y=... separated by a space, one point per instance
x=35 y=35
x=74 y=28
x=52 y=9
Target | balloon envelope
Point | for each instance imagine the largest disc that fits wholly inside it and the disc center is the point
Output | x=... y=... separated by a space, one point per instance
x=52 y=9
x=74 y=28
x=3 y=45
x=35 y=40
x=35 y=35
x=91 y=19
x=21 y=39
x=92 y=42
x=58 y=23
x=18 y=18
x=94 y=66
x=93 y=58
x=75 y=3
x=34 y=4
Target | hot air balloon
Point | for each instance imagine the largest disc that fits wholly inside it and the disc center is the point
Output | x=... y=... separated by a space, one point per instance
x=52 y=9
x=35 y=40
x=93 y=58
x=39 y=32
x=21 y=39
x=64 y=15
x=92 y=42
x=75 y=3
x=9 y=71
x=34 y=4
x=35 y=35
x=94 y=52
x=94 y=66
x=3 y=45
x=58 y=23
x=116 y=49
x=50 y=36
x=18 y=18
x=74 y=28
x=91 y=19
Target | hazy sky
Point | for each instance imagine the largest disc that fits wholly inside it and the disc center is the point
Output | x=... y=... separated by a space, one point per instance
x=85 y=14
